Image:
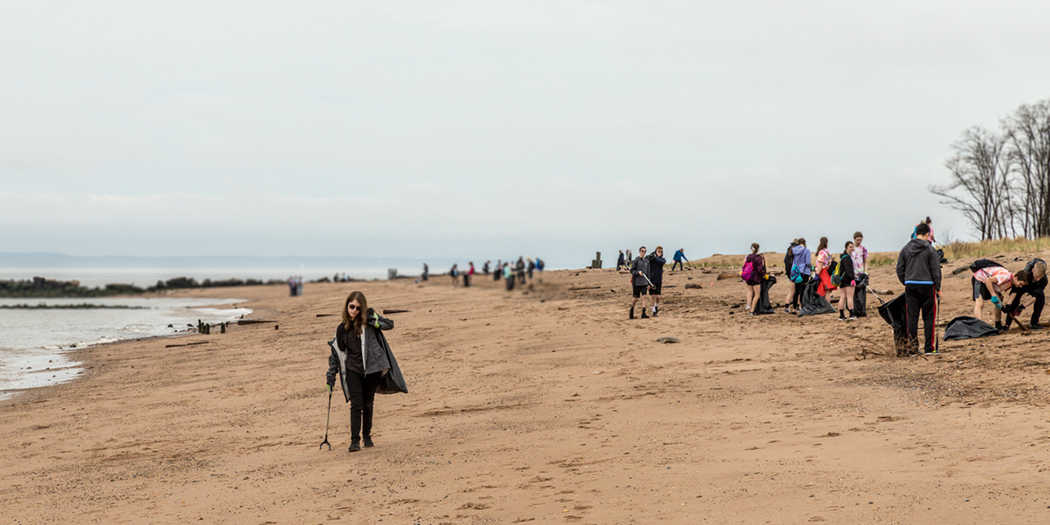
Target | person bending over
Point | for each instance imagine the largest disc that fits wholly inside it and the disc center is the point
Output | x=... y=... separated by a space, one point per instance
x=996 y=281
x=1036 y=288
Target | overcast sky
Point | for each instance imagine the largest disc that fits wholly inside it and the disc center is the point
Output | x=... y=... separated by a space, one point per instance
x=488 y=129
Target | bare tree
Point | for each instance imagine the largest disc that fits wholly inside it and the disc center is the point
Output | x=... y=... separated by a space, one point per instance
x=980 y=186
x=1028 y=137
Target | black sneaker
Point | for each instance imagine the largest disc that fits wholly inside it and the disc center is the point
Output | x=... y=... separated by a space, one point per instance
x=368 y=442
x=632 y=314
x=1036 y=326
x=355 y=445
x=643 y=315
x=930 y=352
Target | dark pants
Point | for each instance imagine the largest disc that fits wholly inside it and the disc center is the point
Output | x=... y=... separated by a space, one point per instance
x=921 y=298
x=1036 y=290
x=510 y=283
x=521 y=277
x=680 y=265
x=799 y=288
x=362 y=398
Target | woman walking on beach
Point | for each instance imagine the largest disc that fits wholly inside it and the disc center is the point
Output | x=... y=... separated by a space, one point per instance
x=823 y=268
x=360 y=360
x=454 y=273
x=753 y=272
x=848 y=277
x=801 y=266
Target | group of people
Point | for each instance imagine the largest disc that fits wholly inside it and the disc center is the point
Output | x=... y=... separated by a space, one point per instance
x=647 y=277
x=843 y=275
x=520 y=272
x=295 y=285
x=624 y=260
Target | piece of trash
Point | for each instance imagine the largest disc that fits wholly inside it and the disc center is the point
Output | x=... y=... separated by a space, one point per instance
x=667 y=340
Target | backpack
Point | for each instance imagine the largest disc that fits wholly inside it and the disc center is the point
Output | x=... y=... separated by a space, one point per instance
x=832 y=266
x=747 y=271
x=836 y=275
x=981 y=264
x=794 y=272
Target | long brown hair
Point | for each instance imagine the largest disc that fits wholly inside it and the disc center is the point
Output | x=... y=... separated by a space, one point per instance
x=355 y=324
x=823 y=243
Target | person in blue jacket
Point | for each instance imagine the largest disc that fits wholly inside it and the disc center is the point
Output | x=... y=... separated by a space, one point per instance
x=679 y=256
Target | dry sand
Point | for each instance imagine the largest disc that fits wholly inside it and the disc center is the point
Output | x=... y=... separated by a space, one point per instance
x=547 y=406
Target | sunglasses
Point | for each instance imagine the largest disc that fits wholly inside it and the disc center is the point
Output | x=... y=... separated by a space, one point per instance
x=352 y=307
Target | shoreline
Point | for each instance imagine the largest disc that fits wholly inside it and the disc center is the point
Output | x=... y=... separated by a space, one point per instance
x=548 y=404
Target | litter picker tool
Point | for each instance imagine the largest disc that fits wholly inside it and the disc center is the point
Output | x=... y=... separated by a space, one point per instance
x=326 y=421
x=876 y=295
x=1010 y=314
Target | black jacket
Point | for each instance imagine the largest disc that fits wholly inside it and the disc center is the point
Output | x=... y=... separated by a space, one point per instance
x=919 y=261
x=848 y=273
x=656 y=268
x=345 y=357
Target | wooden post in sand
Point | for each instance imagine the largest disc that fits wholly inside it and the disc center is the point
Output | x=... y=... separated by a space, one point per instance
x=597 y=262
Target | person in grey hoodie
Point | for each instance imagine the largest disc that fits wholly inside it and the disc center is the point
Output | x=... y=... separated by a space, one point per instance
x=360 y=360
x=640 y=281
x=919 y=270
x=801 y=268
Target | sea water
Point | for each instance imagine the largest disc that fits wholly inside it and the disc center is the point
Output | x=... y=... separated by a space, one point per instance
x=35 y=342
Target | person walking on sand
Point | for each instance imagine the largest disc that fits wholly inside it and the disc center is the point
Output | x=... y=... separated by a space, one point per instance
x=426 y=272
x=799 y=272
x=919 y=270
x=497 y=273
x=620 y=261
x=860 y=255
x=539 y=270
x=639 y=281
x=848 y=280
x=508 y=275
x=469 y=274
x=485 y=267
x=1036 y=288
x=753 y=272
x=823 y=269
x=656 y=277
x=995 y=281
x=679 y=256
x=360 y=359
x=454 y=273
x=519 y=267
x=531 y=268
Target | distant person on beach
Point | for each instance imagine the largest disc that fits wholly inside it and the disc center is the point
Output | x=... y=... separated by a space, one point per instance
x=656 y=277
x=620 y=261
x=485 y=267
x=799 y=273
x=860 y=255
x=995 y=282
x=629 y=259
x=508 y=275
x=639 y=282
x=848 y=280
x=823 y=269
x=426 y=272
x=679 y=256
x=469 y=274
x=1036 y=289
x=360 y=358
x=754 y=270
x=497 y=274
x=919 y=270
x=530 y=268
x=519 y=267
x=928 y=222
x=788 y=258
x=539 y=270
x=454 y=273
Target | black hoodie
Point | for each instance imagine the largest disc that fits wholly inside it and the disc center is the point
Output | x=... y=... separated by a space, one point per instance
x=919 y=263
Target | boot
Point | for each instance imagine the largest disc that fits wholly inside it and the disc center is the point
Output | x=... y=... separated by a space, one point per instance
x=355 y=431
x=644 y=316
x=632 y=313
x=368 y=442
x=355 y=444
x=842 y=315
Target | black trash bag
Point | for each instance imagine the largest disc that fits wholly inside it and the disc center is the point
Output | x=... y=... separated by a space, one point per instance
x=764 y=306
x=860 y=296
x=895 y=313
x=392 y=382
x=968 y=328
x=813 y=303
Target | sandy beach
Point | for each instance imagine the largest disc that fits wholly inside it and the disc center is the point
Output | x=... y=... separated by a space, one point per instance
x=545 y=405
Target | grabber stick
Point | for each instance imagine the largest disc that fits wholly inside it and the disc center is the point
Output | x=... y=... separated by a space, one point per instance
x=326 y=421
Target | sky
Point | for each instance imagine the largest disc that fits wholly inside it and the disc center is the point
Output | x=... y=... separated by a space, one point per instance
x=494 y=129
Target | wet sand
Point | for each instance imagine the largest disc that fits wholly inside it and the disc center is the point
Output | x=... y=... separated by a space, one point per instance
x=544 y=406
